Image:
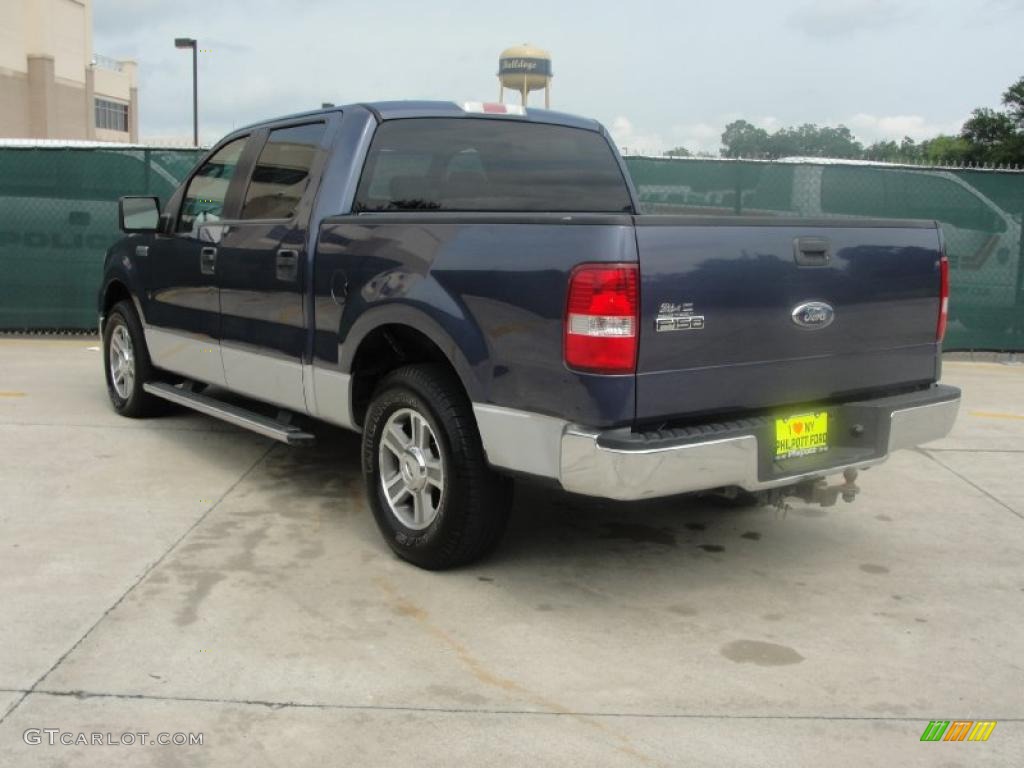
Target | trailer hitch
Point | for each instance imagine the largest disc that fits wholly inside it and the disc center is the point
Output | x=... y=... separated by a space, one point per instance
x=820 y=492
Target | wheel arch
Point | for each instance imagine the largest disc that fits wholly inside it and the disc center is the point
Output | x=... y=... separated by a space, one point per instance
x=115 y=291
x=376 y=346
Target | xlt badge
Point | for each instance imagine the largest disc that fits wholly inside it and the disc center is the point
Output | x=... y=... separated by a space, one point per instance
x=677 y=317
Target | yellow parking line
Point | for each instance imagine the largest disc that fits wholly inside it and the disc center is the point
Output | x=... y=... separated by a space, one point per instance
x=12 y=394
x=44 y=342
x=987 y=415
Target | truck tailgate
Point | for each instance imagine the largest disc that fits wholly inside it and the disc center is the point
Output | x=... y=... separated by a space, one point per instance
x=718 y=296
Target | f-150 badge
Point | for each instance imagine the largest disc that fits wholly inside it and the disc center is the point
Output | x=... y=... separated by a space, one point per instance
x=677 y=317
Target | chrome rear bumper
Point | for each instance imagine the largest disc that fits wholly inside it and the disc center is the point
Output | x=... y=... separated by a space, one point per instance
x=625 y=466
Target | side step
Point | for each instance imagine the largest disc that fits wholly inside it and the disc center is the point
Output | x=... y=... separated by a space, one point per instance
x=232 y=414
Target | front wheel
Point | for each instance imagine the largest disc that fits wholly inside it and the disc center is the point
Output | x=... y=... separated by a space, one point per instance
x=434 y=498
x=126 y=362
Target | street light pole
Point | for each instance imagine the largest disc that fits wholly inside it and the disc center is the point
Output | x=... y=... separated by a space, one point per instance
x=188 y=42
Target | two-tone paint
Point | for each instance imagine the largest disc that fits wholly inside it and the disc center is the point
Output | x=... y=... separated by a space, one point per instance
x=489 y=291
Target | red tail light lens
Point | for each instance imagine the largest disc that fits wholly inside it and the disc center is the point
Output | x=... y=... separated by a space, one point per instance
x=601 y=318
x=940 y=328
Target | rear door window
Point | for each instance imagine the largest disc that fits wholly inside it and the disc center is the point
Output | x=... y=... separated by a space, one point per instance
x=282 y=173
x=469 y=164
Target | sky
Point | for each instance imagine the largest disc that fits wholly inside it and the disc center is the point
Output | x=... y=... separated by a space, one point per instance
x=658 y=73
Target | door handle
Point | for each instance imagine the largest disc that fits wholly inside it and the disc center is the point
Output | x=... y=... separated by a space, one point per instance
x=207 y=260
x=811 y=251
x=287 y=264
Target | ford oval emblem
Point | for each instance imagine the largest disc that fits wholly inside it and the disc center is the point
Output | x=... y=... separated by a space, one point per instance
x=813 y=315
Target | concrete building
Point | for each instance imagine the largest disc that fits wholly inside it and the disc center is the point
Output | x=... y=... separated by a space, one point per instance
x=52 y=84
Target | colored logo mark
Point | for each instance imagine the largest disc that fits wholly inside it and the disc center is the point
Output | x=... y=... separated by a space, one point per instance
x=958 y=730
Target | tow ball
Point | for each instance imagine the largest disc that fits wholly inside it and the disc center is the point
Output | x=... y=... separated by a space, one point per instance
x=820 y=492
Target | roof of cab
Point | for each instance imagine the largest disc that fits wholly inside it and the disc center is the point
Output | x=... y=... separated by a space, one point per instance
x=397 y=110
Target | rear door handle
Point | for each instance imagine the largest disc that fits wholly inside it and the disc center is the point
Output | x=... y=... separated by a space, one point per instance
x=207 y=260
x=287 y=264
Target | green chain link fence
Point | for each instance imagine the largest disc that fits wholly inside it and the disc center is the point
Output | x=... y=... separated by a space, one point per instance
x=58 y=215
x=980 y=212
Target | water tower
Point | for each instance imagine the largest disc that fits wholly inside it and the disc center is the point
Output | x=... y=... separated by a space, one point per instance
x=524 y=68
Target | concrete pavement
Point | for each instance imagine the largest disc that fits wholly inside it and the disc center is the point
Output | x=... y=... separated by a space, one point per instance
x=179 y=575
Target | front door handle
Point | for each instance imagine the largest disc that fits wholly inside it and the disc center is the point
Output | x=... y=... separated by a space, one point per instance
x=207 y=260
x=287 y=264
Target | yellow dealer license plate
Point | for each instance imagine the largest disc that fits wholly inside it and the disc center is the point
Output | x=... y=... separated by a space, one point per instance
x=801 y=435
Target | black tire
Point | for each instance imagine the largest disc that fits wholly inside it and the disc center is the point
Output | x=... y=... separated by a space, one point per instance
x=472 y=509
x=134 y=403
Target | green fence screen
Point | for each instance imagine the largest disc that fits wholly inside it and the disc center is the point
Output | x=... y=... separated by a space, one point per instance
x=980 y=212
x=58 y=215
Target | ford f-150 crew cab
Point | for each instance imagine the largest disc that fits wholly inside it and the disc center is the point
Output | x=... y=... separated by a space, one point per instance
x=472 y=288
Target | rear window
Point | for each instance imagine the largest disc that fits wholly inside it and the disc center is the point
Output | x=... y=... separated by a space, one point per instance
x=467 y=164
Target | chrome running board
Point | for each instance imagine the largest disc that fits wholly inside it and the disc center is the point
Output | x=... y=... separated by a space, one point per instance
x=232 y=414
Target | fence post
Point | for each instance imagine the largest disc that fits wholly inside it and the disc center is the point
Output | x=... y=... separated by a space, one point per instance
x=1017 y=326
x=737 y=205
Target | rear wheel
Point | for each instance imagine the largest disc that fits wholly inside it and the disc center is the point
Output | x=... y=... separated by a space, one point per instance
x=434 y=498
x=126 y=362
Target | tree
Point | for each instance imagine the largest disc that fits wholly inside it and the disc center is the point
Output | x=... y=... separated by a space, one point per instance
x=992 y=137
x=678 y=152
x=811 y=141
x=1013 y=98
x=945 y=150
x=884 y=152
x=741 y=139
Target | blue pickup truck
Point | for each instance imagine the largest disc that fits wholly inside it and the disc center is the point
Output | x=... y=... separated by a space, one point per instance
x=473 y=289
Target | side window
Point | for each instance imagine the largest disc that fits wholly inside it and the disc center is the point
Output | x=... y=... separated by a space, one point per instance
x=204 y=199
x=935 y=197
x=282 y=172
x=853 y=191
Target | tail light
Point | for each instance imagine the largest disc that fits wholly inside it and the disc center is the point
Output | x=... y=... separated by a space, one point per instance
x=940 y=328
x=601 y=318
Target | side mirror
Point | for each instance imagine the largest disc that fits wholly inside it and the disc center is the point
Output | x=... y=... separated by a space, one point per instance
x=138 y=214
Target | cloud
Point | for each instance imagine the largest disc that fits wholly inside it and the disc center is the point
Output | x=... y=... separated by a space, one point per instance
x=1004 y=6
x=268 y=60
x=632 y=142
x=696 y=137
x=835 y=18
x=872 y=128
x=705 y=137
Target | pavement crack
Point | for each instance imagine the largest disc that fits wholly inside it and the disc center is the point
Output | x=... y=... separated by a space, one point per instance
x=269 y=704
x=136 y=583
x=974 y=450
x=971 y=483
x=406 y=607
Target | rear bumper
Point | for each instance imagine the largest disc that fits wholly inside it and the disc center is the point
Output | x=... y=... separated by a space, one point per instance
x=627 y=465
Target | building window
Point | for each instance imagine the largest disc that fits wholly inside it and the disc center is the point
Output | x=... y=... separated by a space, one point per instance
x=111 y=115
